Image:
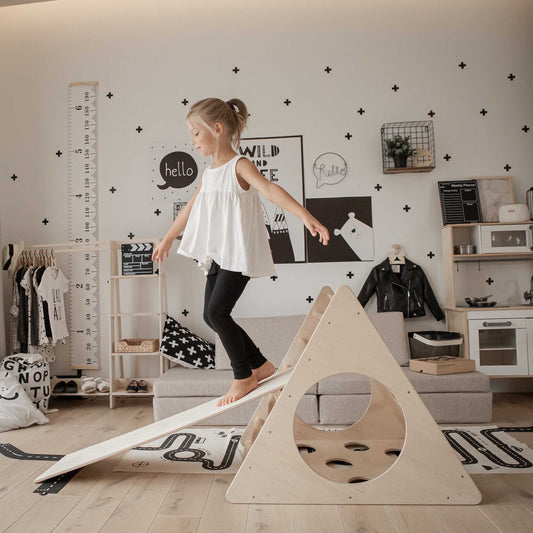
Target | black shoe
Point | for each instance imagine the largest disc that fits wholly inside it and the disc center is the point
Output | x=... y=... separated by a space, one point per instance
x=71 y=387
x=133 y=386
x=59 y=388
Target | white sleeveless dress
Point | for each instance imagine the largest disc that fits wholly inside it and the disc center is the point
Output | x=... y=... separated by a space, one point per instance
x=226 y=224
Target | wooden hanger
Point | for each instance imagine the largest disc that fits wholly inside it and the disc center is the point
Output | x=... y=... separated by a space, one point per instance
x=397 y=256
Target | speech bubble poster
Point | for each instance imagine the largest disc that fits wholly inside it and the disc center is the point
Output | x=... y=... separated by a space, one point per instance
x=175 y=170
x=280 y=160
x=349 y=222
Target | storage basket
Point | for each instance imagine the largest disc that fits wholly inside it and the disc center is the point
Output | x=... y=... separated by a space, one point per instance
x=434 y=343
x=137 y=345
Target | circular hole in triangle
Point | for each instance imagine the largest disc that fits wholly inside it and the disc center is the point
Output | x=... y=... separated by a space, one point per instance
x=393 y=453
x=302 y=448
x=362 y=431
x=339 y=463
x=356 y=446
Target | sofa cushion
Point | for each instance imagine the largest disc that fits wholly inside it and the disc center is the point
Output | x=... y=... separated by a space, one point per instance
x=444 y=407
x=179 y=381
x=391 y=327
x=272 y=335
x=422 y=383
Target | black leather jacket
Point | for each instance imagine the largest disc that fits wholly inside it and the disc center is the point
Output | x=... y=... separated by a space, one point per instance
x=405 y=292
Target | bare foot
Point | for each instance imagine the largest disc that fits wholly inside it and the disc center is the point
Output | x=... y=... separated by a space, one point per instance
x=264 y=371
x=238 y=389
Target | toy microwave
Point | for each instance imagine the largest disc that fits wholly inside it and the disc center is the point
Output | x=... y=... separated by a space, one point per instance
x=504 y=238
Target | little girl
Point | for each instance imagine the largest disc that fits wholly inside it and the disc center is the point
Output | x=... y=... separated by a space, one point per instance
x=224 y=231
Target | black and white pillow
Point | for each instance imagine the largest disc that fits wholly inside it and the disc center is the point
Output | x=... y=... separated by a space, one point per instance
x=182 y=346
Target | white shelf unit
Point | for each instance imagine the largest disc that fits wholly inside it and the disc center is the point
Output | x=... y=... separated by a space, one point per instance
x=118 y=381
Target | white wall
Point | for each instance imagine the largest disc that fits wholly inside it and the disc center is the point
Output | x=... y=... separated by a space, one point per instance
x=152 y=55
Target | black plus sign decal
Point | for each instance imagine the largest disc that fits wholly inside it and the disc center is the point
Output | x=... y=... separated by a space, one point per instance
x=14 y=177
x=431 y=255
x=483 y=111
x=185 y=312
x=431 y=113
x=112 y=190
x=139 y=129
x=361 y=111
x=378 y=187
x=185 y=101
x=273 y=278
x=109 y=95
x=511 y=77
x=235 y=69
x=525 y=129
x=462 y=64
x=406 y=208
x=287 y=102
x=59 y=153
x=309 y=299
x=157 y=212
x=348 y=135
x=490 y=281
x=507 y=167
x=131 y=235
x=350 y=275
x=447 y=157
x=395 y=88
x=328 y=69
x=45 y=221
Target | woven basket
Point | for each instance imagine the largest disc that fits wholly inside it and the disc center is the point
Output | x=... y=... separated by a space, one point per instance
x=137 y=345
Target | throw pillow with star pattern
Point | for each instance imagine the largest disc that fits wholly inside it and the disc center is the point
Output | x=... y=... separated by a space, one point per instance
x=181 y=346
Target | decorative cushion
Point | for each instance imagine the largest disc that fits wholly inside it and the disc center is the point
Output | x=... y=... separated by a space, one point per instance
x=181 y=346
x=33 y=373
x=16 y=409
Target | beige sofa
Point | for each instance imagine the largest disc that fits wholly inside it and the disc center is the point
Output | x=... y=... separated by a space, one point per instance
x=339 y=399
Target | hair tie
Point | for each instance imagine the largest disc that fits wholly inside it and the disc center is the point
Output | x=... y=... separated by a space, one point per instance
x=233 y=106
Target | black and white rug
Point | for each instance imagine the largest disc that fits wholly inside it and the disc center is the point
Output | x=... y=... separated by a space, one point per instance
x=481 y=449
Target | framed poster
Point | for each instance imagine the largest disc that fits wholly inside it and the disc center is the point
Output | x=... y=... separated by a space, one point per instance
x=280 y=160
x=494 y=191
x=349 y=222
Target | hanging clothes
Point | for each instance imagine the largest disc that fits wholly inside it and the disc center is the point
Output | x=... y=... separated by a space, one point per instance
x=52 y=287
x=404 y=291
x=34 y=329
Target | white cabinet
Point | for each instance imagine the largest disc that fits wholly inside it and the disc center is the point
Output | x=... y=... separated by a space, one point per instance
x=501 y=343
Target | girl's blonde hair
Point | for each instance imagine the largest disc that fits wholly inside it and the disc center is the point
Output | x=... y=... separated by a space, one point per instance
x=232 y=113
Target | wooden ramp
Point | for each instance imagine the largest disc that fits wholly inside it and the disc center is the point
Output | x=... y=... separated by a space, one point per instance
x=122 y=443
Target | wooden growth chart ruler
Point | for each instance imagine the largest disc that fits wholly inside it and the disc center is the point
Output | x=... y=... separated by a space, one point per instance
x=84 y=338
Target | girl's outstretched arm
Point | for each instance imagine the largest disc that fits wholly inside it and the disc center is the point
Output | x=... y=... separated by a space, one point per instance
x=278 y=195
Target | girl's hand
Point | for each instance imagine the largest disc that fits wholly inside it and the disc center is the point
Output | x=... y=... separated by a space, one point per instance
x=161 y=250
x=314 y=226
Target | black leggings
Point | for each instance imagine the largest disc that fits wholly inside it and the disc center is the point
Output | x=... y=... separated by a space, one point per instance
x=222 y=290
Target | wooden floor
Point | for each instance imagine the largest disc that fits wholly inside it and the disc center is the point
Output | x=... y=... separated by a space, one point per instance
x=97 y=499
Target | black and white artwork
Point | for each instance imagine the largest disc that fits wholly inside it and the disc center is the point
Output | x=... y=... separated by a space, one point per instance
x=175 y=171
x=329 y=169
x=349 y=222
x=280 y=160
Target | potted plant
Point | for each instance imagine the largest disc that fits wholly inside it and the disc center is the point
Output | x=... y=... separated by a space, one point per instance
x=399 y=149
